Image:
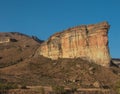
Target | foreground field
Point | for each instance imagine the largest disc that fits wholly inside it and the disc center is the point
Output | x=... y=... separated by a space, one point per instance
x=50 y=90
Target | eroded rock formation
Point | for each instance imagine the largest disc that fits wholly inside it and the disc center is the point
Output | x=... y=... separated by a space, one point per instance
x=85 y=41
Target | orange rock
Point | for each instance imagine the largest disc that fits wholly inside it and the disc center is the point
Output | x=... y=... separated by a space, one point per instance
x=86 y=41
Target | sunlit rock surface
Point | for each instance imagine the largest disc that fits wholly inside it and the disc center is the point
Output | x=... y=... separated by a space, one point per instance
x=85 y=41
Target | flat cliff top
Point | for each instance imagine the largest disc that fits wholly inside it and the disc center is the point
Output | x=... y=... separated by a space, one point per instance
x=90 y=28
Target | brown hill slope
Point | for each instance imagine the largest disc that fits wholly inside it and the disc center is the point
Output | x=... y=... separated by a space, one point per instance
x=68 y=72
x=17 y=49
x=38 y=70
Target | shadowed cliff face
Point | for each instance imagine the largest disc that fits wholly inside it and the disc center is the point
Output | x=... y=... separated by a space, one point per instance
x=86 y=41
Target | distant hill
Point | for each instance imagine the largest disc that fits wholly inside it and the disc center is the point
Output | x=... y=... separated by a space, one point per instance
x=116 y=62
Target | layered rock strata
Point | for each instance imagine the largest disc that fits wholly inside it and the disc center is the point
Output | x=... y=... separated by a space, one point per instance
x=85 y=41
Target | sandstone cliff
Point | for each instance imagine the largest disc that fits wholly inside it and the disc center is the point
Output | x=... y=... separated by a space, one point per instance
x=85 y=41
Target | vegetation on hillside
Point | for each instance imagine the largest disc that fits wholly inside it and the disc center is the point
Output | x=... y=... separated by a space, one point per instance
x=20 y=65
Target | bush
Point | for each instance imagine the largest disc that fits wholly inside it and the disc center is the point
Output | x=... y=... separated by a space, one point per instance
x=58 y=89
x=0 y=57
x=23 y=87
x=7 y=86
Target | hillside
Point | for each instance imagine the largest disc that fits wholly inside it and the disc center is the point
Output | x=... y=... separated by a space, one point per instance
x=43 y=71
x=17 y=49
x=21 y=64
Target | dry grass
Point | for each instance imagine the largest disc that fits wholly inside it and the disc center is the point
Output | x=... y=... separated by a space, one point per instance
x=19 y=65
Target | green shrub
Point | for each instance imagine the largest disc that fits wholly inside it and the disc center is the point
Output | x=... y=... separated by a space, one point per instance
x=58 y=89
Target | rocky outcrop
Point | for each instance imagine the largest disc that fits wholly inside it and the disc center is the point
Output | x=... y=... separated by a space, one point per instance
x=4 y=39
x=85 y=41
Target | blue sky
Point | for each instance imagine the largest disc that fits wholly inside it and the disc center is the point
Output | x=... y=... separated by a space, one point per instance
x=45 y=17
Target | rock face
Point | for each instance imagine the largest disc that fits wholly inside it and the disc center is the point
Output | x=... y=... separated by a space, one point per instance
x=85 y=41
